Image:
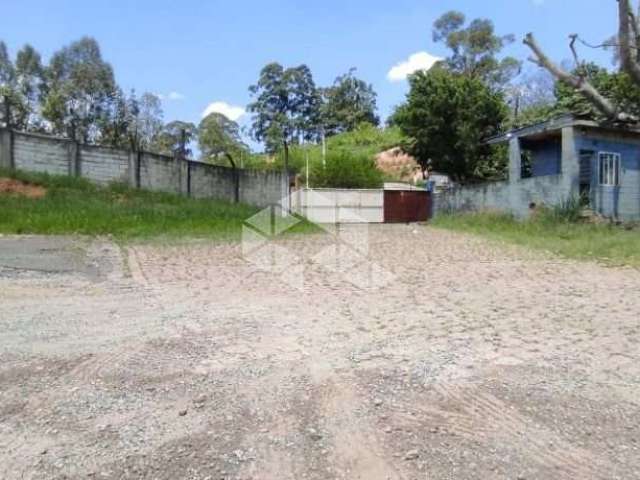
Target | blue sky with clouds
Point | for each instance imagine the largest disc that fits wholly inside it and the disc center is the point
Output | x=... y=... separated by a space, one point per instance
x=203 y=55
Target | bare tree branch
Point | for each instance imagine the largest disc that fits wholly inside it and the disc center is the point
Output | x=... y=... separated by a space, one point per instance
x=582 y=85
x=572 y=46
x=626 y=19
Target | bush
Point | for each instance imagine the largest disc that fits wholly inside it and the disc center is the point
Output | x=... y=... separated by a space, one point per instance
x=346 y=170
x=568 y=211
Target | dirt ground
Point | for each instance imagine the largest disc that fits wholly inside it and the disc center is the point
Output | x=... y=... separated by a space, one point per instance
x=468 y=360
x=16 y=187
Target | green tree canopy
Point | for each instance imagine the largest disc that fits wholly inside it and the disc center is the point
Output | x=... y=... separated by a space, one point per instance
x=13 y=107
x=81 y=86
x=475 y=48
x=30 y=82
x=170 y=140
x=348 y=103
x=286 y=107
x=218 y=138
x=618 y=87
x=448 y=117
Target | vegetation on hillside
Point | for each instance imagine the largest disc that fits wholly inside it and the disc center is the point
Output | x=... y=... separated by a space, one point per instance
x=356 y=148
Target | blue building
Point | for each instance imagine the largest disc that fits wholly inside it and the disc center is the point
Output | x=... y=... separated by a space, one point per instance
x=563 y=158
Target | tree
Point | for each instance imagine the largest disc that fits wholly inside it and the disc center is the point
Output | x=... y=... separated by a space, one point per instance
x=447 y=117
x=348 y=103
x=12 y=105
x=81 y=86
x=618 y=87
x=475 y=48
x=286 y=107
x=29 y=82
x=220 y=137
x=7 y=70
x=174 y=139
x=149 y=121
x=531 y=97
x=627 y=49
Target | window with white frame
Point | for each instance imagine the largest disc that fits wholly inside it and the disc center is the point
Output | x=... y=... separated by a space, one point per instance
x=609 y=169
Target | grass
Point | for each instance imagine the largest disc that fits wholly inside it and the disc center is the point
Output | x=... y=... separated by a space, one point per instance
x=551 y=231
x=75 y=206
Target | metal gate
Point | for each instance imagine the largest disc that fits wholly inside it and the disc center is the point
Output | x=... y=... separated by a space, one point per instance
x=405 y=206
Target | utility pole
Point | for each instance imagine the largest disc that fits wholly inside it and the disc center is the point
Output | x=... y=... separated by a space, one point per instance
x=306 y=153
x=324 y=149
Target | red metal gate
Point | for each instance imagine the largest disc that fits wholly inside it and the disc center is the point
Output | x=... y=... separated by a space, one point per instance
x=405 y=206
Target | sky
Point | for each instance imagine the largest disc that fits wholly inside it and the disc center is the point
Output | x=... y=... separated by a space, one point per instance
x=201 y=56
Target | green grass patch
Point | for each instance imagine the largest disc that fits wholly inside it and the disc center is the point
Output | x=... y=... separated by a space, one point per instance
x=550 y=231
x=76 y=206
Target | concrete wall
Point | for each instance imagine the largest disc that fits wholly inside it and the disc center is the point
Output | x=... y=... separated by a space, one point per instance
x=208 y=181
x=58 y=156
x=515 y=197
x=104 y=165
x=37 y=153
x=339 y=206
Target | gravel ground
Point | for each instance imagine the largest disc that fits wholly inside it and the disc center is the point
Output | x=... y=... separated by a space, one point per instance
x=431 y=355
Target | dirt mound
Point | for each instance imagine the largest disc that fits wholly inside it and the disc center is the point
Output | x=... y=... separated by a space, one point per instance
x=399 y=165
x=16 y=187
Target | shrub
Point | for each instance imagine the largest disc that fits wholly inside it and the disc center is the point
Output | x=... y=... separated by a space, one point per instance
x=346 y=170
x=568 y=211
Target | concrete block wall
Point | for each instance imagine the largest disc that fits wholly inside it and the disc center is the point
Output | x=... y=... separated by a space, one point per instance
x=42 y=154
x=159 y=173
x=211 y=181
x=263 y=188
x=58 y=156
x=104 y=165
x=515 y=197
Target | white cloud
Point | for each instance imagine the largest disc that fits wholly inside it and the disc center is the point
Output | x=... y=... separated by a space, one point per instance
x=417 y=61
x=173 y=96
x=232 y=112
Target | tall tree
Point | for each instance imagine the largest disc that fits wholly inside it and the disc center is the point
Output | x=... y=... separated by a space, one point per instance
x=286 y=107
x=149 y=120
x=219 y=138
x=7 y=70
x=448 y=117
x=29 y=82
x=627 y=47
x=12 y=106
x=531 y=97
x=175 y=138
x=349 y=102
x=81 y=86
x=475 y=48
x=116 y=120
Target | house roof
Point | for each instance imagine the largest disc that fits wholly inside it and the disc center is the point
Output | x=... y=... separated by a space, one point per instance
x=552 y=127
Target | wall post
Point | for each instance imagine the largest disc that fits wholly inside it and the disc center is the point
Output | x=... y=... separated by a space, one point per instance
x=134 y=169
x=183 y=173
x=75 y=160
x=570 y=161
x=6 y=149
x=515 y=160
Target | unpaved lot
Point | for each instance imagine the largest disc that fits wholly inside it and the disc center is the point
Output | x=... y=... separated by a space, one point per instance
x=423 y=355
